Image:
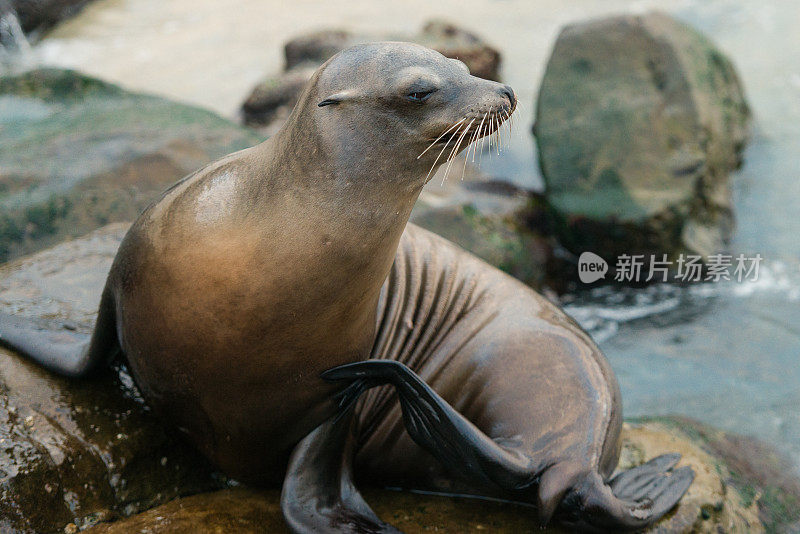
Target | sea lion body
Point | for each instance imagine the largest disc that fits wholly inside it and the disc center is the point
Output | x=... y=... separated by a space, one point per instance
x=260 y=302
x=465 y=327
x=502 y=355
x=224 y=332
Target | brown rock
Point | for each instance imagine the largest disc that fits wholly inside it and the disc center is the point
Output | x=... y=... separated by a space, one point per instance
x=712 y=505
x=38 y=15
x=271 y=100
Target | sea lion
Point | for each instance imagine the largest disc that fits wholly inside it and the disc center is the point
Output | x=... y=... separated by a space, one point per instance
x=258 y=300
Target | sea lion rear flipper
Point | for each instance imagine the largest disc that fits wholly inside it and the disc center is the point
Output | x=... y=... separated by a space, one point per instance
x=318 y=494
x=438 y=428
x=632 y=500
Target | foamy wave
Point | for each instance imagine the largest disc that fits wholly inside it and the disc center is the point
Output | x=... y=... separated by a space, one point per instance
x=601 y=311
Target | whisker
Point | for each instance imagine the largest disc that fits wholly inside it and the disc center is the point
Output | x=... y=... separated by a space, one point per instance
x=480 y=128
x=483 y=141
x=466 y=154
x=453 y=154
x=508 y=128
x=497 y=134
x=500 y=133
x=443 y=134
x=439 y=156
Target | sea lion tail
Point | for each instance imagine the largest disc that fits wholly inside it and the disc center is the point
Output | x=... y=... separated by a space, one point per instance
x=632 y=500
x=62 y=349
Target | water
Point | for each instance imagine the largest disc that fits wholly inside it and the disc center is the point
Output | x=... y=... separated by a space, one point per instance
x=728 y=354
x=14 y=46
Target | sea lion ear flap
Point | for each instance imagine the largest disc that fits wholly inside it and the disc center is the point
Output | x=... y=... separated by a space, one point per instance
x=336 y=98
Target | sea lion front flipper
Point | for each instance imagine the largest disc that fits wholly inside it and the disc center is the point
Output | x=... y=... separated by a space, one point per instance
x=318 y=493
x=438 y=428
x=60 y=348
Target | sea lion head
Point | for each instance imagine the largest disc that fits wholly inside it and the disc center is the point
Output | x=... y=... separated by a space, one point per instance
x=404 y=103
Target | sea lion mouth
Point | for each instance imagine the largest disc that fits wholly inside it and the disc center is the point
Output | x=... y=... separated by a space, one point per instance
x=477 y=126
x=473 y=129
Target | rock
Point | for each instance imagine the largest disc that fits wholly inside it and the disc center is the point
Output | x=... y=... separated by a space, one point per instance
x=710 y=505
x=450 y=40
x=78 y=451
x=761 y=479
x=77 y=153
x=732 y=492
x=272 y=99
x=235 y=510
x=316 y=47
x=639 y=121
x=39 y=15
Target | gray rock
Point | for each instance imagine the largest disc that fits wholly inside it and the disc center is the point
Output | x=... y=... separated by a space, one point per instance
x=639 y=121
x=77 y=153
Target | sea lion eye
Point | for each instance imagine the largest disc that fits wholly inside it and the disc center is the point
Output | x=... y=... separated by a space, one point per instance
x=420 y=95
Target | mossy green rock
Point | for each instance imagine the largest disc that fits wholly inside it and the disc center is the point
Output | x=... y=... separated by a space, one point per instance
x=77 y=153
x=639 y=121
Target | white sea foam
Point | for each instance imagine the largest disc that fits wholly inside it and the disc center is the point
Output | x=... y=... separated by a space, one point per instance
x=601 y=311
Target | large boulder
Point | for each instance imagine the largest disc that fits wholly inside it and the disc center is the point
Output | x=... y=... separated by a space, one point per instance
x=736 y=490
x=77 y=153
x=272 y=99
x=639 y=121
x=75 y=452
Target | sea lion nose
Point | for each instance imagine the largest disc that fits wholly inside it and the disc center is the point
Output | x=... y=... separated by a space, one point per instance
x=508 y=92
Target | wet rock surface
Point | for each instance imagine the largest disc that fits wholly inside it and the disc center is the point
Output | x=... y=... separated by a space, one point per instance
x=77 y=153
x=717 y=502
x=272 y=100
x=640 y=120
x=74 y=452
